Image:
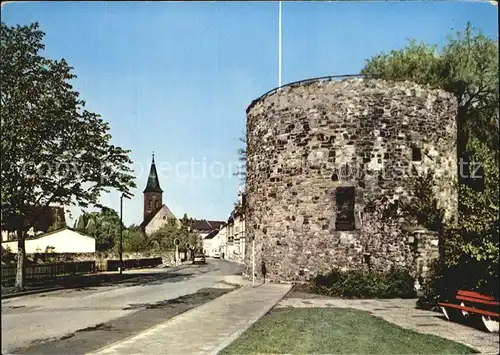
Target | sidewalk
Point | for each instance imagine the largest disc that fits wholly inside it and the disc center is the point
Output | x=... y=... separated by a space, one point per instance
x=206 y=329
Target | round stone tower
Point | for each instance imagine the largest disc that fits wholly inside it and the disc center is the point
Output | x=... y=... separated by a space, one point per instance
x=328 y=159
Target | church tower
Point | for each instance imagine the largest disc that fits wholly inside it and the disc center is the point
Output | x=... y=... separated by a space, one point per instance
x=153 y=192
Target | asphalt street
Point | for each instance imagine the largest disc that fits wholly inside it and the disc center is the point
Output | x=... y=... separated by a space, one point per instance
x=76 y=321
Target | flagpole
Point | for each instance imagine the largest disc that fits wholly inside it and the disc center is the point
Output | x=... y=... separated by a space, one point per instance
x=279 y=46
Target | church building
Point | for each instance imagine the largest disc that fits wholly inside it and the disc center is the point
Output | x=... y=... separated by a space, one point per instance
x=156 y=213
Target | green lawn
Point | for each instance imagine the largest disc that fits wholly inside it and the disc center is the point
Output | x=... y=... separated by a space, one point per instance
x=339 y=331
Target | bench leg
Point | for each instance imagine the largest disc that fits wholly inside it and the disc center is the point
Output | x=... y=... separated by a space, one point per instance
x=445 y=312
x=490 y=324
x=464 y=313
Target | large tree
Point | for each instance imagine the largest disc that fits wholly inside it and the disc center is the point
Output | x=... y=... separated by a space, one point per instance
x=467 y=66
x=104 y=226
x=53 y=149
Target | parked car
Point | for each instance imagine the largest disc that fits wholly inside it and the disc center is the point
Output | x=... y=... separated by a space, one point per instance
x=216 y=254
x=199 y=258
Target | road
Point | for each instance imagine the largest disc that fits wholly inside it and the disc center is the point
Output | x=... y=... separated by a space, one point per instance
x=83 y=320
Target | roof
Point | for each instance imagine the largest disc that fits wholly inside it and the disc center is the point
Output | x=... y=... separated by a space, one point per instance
x=212 y=234
x=154 y=213
x=153 y=184
x=203 y=225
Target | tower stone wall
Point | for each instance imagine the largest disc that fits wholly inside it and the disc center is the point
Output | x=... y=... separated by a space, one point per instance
x=324 y=162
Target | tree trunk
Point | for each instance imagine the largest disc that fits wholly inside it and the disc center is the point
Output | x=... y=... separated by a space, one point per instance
x=21 y=256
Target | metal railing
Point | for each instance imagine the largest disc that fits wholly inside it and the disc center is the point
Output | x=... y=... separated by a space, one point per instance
x=321 y=79
x=48 y=271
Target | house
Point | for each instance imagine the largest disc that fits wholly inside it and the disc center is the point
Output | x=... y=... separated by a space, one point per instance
x=65 y=240
x=210 y=243
x=203 y=228
x=220 y=241
x=215 y=241
x=236 y=237
x=47 y=218
x=156 y=213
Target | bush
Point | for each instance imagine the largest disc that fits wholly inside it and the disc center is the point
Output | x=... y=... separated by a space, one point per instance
x=446 y=279
x=394 y=283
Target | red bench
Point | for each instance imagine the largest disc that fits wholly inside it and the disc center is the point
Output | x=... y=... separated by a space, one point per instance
x=473 y=303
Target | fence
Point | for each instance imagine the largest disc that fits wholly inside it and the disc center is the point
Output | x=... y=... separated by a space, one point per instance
x=47 y=271
x=112 y=265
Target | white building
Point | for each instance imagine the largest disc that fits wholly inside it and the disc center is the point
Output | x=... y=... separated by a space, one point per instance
x=64 y=240
x=236 y=236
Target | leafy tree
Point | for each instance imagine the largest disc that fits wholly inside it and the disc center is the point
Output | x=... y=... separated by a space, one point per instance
x=59 y=222
x=53 y=149
x=80 y=224
x=134 y=241
x=466 y=66
x=242 y=158
x=91 y=227
x=163 y=239
x=105 y=228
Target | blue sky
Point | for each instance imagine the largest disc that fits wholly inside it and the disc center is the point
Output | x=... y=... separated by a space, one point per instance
x=176 y=77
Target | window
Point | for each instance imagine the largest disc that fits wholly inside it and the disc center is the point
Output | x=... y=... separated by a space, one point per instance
x=157 y=204
x=416 y=154
x=344 y=198
x=150 y=204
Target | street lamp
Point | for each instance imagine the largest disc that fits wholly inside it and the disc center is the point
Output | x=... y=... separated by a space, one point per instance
x=121 y=230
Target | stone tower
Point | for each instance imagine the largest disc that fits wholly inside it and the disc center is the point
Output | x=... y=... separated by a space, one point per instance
x=328 y=159
x=153 y=192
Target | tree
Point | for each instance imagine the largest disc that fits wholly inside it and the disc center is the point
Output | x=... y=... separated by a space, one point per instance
x=59 y=221
x=466 y=66
x=105 y=227
x=242 y=158
x=80 y=224
x=134 y=241
x=163 y=239
x=53 y=149
x=91 y=227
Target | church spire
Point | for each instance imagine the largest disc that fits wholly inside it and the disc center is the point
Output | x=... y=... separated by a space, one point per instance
x=153 y=184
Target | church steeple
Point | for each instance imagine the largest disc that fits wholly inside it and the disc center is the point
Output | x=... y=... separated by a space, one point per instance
x=153 y=184
x=152 y=193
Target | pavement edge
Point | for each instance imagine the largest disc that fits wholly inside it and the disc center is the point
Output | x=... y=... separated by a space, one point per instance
x=226 y=342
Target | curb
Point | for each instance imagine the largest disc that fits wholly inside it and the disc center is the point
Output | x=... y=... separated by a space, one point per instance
x=32 y=292
x=226 y=342
x=58 y=288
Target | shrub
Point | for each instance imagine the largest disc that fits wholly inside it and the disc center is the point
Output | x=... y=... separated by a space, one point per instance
x=365 y=284
x=447 y=278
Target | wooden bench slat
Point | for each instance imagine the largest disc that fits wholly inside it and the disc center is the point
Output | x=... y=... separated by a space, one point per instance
x=478 y=300
x=470 y=309
x=474 y=294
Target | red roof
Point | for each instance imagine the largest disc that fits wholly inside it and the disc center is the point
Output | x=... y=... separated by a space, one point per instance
x=202 y=225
